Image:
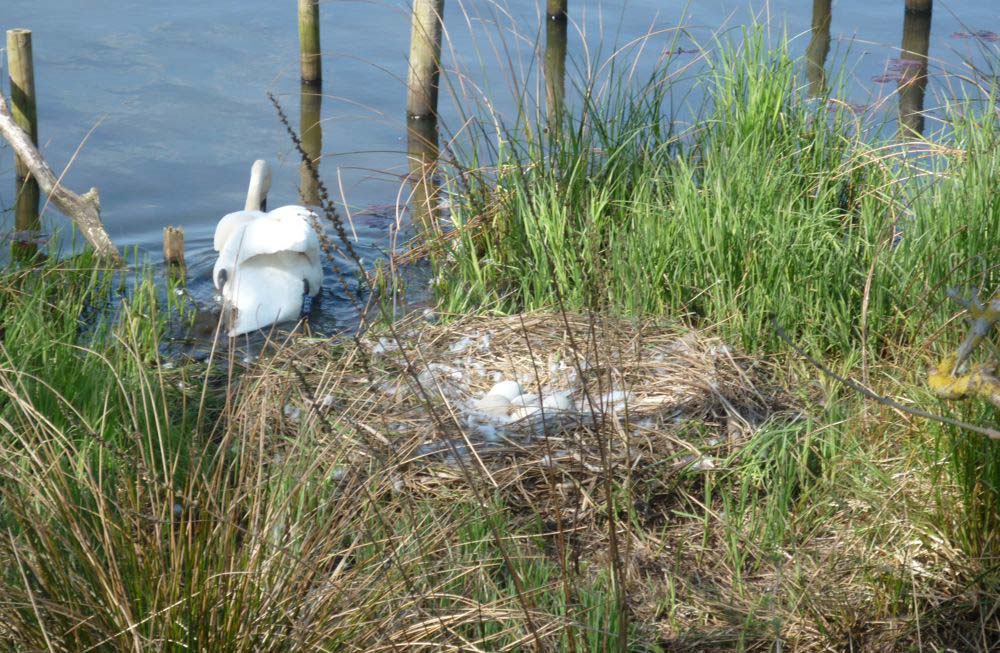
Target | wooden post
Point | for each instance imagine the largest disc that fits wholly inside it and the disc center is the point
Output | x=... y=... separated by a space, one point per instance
x=913 y=81
x=173 y=250
x=919 y=6
x=819 y=47
x=422 y=152
x=310 y=62
x=22 y=100
x=311 y=133
x=555 y=63
x=425 y=59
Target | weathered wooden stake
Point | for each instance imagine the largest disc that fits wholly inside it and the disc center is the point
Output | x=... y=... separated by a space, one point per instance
x=555 y=63
x=556 y=8
x=425 y=59
x=173 y=250
x=22 y=100
x=422 y=151
x=311 y=133
x=919 y=6
x=310 y=62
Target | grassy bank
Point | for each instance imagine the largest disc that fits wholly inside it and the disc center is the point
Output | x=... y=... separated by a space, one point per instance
x=763 y=202
x=290 y=504
x=150 y=506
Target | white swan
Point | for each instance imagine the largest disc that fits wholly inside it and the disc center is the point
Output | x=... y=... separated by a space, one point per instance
x=268 y=262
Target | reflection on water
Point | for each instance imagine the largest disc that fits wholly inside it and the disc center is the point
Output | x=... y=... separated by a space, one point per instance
x=819 y=47
x=311 y=133
x=913 y=78
x=909 y=70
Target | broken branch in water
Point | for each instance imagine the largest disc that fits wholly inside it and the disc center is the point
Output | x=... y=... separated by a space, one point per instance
x=885 y=401
x=84 y=210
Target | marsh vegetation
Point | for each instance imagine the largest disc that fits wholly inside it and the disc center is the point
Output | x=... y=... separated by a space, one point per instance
x=332 y=494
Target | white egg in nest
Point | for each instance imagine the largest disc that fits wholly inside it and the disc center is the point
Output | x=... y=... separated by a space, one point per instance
x=523 y=411
x=493 y=404
x=506 y=389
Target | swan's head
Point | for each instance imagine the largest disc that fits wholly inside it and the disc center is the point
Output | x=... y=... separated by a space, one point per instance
x=260 y=183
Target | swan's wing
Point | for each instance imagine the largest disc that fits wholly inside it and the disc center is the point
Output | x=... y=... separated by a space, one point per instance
x=302 y=267
x=285 y=229
x=230 y=223
x=264 y=291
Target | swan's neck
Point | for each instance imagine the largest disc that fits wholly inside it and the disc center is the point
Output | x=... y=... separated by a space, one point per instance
x=260 y=183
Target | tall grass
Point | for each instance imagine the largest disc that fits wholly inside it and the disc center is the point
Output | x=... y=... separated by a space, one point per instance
x=145 y=506
x=768 y=203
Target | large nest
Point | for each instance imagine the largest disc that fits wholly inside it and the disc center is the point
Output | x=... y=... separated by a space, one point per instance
x=644 y=397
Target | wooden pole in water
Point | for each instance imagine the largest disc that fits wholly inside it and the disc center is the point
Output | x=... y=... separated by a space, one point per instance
x=22 y=101
x=555 y=63
x=173 y=250
x=422 y=152
x=425 y=59
x=919 y=6
x=310 y=62
x=556 y=8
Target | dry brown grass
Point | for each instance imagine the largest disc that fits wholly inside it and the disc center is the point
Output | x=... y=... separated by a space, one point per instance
x=690 y=398
x=861 y=566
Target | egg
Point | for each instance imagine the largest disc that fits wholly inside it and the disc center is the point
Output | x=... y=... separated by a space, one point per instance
x=505 y=389
x=492 y=401
x=493 y=405
x=523 y=411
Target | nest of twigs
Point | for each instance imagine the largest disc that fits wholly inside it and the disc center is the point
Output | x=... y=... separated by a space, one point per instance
x=649 y=398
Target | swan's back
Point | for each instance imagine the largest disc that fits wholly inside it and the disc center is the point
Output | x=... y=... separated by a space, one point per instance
x=230 y=223
x=285 y=229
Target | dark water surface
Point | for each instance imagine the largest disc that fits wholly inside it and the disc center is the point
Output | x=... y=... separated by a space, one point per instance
x=178 y=91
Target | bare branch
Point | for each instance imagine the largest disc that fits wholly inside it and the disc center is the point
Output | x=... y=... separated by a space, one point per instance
x=83 y=210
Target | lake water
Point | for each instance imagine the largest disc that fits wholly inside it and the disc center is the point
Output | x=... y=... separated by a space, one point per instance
x=177 y=92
